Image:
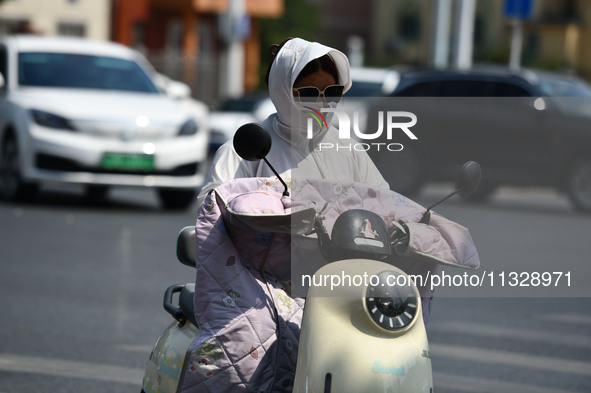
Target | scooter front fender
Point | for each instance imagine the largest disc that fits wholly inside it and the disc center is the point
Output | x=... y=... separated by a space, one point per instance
x=342 y=349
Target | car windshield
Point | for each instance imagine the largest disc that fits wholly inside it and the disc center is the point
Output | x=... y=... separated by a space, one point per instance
x=364 y=89
x=75 y=71
x=242 y=104
x=571 y=96
x=564 y=88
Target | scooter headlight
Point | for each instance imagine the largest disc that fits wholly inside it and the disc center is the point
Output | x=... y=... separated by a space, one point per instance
x=392 y=302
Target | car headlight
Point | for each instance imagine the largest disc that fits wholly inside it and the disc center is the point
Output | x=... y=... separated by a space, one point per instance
x=392 y=303
x=51 y=120
x=189 y=128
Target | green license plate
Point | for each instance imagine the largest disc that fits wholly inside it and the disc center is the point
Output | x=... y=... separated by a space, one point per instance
x=128 y=162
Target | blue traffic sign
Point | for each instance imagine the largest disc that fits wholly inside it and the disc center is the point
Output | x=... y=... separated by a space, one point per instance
x=521 y=9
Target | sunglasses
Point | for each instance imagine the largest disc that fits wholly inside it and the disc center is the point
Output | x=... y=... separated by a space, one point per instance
x=332 y=93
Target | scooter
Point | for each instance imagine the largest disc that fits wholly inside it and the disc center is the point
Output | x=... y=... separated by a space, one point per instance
x=357 y=338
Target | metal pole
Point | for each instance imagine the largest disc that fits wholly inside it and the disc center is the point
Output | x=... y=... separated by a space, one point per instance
x=466 y=9
x=441 y=33
x=232 y=57
x=355 y=46
x=516 y=44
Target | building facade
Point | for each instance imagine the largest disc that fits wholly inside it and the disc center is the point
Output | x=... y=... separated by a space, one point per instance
x=81 y=18
x=205 y=43
x=194 y=41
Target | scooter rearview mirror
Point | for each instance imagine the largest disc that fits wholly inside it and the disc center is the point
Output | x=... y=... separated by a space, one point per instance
x=252 y=142
x=468 y=179
x=467 y=182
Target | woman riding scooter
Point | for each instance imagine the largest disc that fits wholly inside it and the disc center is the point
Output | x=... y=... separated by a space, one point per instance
x=299 y=67
x=303 y=76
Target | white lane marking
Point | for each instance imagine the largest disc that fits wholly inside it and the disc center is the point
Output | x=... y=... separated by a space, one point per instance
x=483 y=385
x=70 y=369
x=483 y=330
x=505 y=358
x=570 y=318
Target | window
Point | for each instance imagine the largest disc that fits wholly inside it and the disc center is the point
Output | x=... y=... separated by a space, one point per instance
x=508 y=90
x=12 y=26
x=3 y=66
x=409 y=27
x=71 y=29
x=424 y=89
x=467 y=89
x=464 y=88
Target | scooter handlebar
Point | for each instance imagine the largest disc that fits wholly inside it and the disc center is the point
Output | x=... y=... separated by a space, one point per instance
x=169 y=306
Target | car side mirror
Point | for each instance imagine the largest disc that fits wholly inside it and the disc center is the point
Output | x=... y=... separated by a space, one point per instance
x=178 y=90
x=2 y=81
x=172 y=88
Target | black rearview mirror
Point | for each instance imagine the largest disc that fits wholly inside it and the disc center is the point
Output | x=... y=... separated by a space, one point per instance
x=466 y=183
x=252 y=142
x=468 y=179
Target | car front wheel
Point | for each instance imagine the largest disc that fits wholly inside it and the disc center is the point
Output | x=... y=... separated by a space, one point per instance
x=176 y=199
x=97 y=195
x=579 y=185
x=12 y=187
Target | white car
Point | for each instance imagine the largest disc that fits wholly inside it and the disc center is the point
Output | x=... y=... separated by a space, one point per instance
x=88 y=112
x=235 y=112
x=373 y=82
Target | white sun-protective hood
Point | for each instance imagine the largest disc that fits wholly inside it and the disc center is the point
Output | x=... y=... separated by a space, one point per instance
x=289 y=62
x=292 y=154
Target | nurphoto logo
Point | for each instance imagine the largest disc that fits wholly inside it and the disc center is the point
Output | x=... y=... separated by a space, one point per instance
x=392 y=122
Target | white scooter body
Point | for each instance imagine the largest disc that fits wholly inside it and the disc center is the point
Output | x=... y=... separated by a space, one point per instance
x=340 y=344
x=350 y=340
x=165 y=366
x=342 y=349
x=166 y=363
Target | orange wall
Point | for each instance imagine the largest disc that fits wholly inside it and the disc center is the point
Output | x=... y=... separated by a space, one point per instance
x=126 y=13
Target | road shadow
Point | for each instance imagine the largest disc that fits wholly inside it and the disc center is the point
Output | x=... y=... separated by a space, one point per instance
x=117 y=200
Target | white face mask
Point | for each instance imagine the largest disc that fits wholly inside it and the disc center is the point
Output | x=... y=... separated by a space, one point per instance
x=318 y=105
x=310 y=118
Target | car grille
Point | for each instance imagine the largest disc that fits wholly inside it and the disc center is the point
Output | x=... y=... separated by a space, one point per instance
x=126 y=132
x=55 y=163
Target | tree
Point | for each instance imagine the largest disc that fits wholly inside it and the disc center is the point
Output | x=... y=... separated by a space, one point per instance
x=299 y=19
